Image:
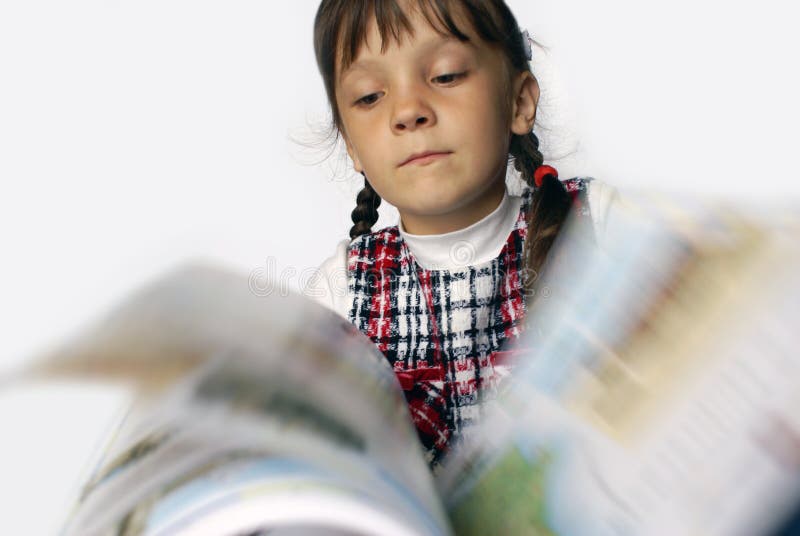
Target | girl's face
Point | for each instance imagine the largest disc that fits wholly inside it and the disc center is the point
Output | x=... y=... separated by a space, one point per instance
x=433 y=94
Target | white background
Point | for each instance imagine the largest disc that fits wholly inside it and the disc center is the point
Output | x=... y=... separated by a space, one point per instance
x=135 y=135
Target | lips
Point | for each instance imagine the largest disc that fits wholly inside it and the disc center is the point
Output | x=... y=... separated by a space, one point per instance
x=423 y=155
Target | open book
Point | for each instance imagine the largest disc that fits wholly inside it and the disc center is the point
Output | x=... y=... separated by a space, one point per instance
x=658 y=393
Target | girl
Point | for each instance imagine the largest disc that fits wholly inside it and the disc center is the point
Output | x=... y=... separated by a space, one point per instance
x=432 y=99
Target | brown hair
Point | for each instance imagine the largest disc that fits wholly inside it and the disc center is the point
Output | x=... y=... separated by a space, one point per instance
x=340 y=27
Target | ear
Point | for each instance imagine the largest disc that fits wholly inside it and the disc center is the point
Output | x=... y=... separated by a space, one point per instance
x=526 y=99
x=351 y=151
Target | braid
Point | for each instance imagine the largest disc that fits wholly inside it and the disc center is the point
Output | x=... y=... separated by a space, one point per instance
x=366 y=212
x=549 y=207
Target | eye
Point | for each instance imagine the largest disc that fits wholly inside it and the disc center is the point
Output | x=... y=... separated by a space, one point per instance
x=367 y=99
x=448 y=78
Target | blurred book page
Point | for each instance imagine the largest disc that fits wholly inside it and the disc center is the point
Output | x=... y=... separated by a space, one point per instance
x=660 y=388
x=245 y=400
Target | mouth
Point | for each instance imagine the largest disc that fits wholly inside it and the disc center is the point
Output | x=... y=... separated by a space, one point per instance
x=424 y=157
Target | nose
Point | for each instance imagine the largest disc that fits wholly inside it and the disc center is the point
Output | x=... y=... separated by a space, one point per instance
x=411 y=112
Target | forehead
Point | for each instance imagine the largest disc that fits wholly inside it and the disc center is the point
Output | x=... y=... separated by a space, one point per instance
x=417 y=26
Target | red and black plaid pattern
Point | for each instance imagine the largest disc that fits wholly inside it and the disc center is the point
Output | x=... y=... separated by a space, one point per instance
x=441 y=330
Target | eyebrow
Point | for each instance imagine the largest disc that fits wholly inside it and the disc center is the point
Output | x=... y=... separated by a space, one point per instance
x=430 y=46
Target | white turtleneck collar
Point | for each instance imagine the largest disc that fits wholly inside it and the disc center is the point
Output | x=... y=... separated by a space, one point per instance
x=476 y=244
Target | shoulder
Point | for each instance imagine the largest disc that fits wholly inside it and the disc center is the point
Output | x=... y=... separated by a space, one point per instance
x=577 y=187
x=598 y=194
x=376 y=250
x=600 y=198
x=593 y=197
x=328 y=282
x=577 y=184
x=381 y=236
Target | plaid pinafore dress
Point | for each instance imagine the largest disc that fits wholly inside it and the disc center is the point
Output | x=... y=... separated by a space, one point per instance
x=442 y=330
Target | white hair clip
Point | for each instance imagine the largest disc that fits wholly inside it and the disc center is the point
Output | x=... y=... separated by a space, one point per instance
x=527 y=42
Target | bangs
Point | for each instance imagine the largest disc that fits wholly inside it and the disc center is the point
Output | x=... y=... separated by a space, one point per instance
x=393 y=24
x=341 y=26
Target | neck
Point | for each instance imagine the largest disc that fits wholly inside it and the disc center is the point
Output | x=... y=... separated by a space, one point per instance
x=467 y=214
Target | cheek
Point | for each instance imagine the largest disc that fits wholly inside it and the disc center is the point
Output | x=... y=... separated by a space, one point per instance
x=486 y=125
x=377 y=156
x=489 y=143
x=362 y=132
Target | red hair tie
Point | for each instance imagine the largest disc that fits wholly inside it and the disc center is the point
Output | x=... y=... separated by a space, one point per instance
x=541 y=172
